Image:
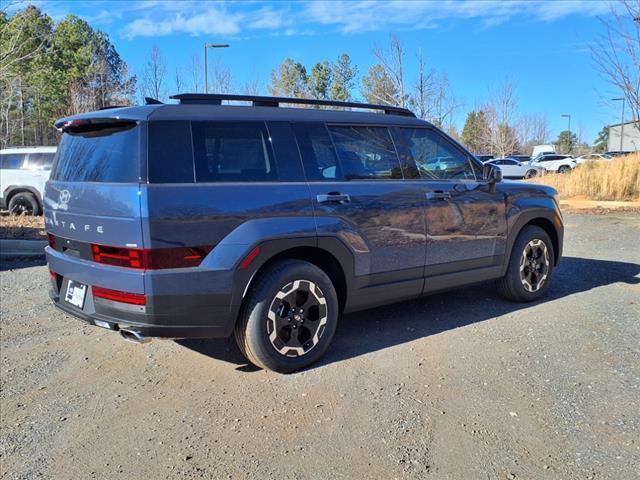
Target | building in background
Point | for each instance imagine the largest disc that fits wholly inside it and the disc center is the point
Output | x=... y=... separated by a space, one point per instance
x=630 y=133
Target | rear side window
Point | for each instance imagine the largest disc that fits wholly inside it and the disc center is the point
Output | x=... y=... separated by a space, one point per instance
x=232 y=152
x=365 y=152
x=99 y=154
x=12 y=161
x=170 y=156
x=435 y=157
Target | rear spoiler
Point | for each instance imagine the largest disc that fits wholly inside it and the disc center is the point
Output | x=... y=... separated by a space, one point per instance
x=79 y=125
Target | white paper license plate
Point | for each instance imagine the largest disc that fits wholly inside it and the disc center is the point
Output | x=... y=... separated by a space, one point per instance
x=76 y=292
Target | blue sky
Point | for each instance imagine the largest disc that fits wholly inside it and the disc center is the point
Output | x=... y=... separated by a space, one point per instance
x=543 y=46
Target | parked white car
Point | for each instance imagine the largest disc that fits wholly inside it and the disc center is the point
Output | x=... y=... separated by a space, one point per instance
x=593 y=157
x=514 y=169
x=23 y=173
x=555 y=162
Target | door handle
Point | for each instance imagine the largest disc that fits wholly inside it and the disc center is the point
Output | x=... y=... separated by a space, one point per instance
x=438 y=195
x=333 y=197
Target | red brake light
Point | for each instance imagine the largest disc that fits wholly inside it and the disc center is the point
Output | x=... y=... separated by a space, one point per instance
x=149 y=259
x=53 y=275
x=118 y=296
x=52 y=240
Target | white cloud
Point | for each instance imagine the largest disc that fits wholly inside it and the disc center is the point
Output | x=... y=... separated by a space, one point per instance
x=349 y=17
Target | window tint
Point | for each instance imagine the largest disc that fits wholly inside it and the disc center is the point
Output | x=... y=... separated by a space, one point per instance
x=435 y=157
x=366 y=152
x=170 y=156
x=232 y=152
x=99 y=155
x=41 y=161
x=12 y=160
x=318 y=155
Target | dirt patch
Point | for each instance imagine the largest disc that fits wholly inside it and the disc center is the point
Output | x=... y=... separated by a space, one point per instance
x=598 y=207
x=22 y=228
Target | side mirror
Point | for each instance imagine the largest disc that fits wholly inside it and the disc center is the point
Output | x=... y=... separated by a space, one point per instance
x=492 y=174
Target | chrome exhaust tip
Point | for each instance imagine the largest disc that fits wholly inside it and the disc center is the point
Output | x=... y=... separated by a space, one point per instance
x=134 y=336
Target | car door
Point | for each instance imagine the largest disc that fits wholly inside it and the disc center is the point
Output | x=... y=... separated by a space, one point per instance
x=359 y=196
x=465 y=216
x=511 y=168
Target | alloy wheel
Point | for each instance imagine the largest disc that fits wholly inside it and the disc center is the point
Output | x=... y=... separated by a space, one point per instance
x=534 y=265
x=297 y=318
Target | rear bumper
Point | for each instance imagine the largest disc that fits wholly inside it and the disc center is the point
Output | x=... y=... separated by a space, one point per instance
x=193 y=308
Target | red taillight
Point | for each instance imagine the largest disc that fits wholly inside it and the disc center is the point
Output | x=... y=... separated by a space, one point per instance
x=149 y=259
x=52 y=240
x=118 y=296
x=53 y=275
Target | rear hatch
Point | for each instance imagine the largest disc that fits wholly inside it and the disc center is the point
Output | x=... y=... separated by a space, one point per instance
x=92 y=196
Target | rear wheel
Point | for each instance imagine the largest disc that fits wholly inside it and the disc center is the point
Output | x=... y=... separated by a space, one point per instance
x=24 y=203
x=530 y=266
x=289 y=317
x=564 y=169
x=530 y=174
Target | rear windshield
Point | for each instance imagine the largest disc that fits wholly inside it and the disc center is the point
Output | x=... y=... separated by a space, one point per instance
x=110 y=154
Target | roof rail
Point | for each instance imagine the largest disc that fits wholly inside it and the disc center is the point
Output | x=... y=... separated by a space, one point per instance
x=260 y=101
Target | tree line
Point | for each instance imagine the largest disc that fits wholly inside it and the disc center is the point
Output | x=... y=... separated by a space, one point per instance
x=50 y=70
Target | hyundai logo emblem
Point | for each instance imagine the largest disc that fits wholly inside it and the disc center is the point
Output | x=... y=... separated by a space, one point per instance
x=64 y=197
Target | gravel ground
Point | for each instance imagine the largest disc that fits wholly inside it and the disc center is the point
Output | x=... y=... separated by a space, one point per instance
x=457 y=385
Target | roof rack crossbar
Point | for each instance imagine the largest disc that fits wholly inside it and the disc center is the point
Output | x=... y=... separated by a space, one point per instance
x=261 y=101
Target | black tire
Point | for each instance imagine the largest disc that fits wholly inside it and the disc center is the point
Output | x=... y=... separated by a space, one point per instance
x=564 y=169
x=24 y=203
x=530 y=174
x=512 y=286
x=257 y=333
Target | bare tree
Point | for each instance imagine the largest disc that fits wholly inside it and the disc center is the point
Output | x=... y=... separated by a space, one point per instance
x=153 y=75
x=196 y=75
x=219 y=77
x=392 y=60
x=421 y=100
x=179 y=81
x=445 y=104
x=252 y=86
x=617 y=54
x=502 y=124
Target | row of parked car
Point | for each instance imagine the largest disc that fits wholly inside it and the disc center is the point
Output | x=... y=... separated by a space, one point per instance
x=521 y=166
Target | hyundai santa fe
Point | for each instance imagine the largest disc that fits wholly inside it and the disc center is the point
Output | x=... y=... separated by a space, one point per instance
x=207 y=219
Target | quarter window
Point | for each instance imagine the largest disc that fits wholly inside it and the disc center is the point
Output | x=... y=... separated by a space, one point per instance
x=232 y=152
x=365 y=152
x=435 y=157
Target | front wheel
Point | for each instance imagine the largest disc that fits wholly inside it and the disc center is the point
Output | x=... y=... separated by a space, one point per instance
x=530 y=174
x=530 y=266
x=289 y=317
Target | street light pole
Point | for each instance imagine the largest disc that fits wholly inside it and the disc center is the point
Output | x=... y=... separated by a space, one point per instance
x=621 y=99
x=206 y=69
x=566 y=115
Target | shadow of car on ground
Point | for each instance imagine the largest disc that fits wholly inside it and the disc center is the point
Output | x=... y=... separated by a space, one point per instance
x=375 y=329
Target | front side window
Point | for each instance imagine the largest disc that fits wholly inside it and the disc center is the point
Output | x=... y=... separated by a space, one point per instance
x=41 y=161
x=317 y=152
x=365 y=152
x=232 y=152
x=435 y=157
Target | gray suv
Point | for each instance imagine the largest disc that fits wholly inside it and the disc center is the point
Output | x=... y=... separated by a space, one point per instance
x=199 y=219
